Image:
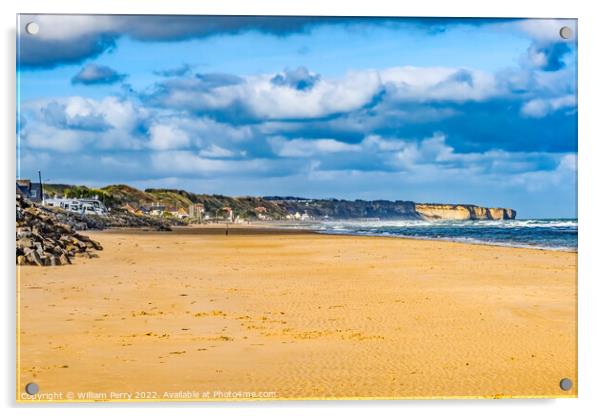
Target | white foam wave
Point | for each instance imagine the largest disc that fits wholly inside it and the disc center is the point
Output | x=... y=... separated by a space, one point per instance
x=352 y=224
x=466 y=240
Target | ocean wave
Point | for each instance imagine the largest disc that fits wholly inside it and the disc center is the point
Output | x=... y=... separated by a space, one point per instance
x=450 y=223
x=466 y=240
x=551 y=234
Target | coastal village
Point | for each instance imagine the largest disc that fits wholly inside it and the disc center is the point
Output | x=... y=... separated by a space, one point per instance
x=191 y=213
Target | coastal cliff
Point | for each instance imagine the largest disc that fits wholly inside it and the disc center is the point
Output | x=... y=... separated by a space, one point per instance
x=463 y=212
x=342 y=209
x=267 y=208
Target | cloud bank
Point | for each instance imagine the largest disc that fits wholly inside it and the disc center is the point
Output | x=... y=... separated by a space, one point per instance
x=460 y=133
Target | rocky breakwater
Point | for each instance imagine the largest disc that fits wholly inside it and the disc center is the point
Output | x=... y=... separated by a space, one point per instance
x=43 y=240
x=118 y=218
x=463 y=212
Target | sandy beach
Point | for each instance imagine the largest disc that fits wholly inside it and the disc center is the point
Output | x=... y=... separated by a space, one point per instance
x=290 y=315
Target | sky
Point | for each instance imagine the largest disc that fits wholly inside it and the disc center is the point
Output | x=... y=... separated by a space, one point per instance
x=476 y=111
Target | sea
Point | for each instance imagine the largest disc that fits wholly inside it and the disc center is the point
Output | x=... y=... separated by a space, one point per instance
x=549 y=234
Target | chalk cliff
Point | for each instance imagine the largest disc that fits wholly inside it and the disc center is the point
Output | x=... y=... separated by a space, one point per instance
x=463 y=212
x=342 y=209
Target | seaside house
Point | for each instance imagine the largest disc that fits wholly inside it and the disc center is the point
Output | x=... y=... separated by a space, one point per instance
x=296 y=216
x=261 y=213
x=32 y=191
x=156 y=210
x=196 y=211
x=227 y=213
x=131 y=209
x=180 y=213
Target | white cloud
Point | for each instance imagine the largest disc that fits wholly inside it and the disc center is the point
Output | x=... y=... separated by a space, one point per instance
x=428 y=159
x=309 y=147
x=121 y=114
x=375 y=141
x=57 y=140
x=431 y=158
x=186 y=162
x=72 y=123
x=216 y=151
x=439 y=84
x=555 y=83
x=264 y=99
x=116 y=113
x=541 y=107
x=172 y=132
x=568 y=163
x=431 y=150
x=166 y=137
x=537 y=180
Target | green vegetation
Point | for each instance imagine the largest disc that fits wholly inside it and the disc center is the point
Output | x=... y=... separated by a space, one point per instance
x=124 y=194
x=245 y=207
x=115 y=196
x=74 y=191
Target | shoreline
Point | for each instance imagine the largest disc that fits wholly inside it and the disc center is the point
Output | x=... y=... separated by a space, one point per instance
x=261 y=229
x=459 y=241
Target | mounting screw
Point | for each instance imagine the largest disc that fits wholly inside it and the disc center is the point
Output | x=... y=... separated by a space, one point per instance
x=32 y=388
x=566 y=32
x=566 y=384
x=32 y=28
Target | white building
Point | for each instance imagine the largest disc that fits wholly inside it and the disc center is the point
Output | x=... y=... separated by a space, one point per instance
x=196 y=211
x=156 y=210
x=78 y=205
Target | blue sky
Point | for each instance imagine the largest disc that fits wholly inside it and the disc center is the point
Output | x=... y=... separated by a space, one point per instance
x=476 y=111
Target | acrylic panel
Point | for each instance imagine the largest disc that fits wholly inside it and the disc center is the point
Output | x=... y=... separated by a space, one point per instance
x=287 y=207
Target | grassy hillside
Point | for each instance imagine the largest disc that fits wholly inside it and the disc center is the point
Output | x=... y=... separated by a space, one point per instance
x=118 y=195
x=246 y=207
x=75 y=191
x=173 y=198
x=124 y=194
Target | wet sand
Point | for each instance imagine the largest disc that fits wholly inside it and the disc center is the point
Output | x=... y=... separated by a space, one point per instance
x=298 y=315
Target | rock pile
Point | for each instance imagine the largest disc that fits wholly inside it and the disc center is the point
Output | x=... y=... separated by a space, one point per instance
x=118 y=218
x=43 y=240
